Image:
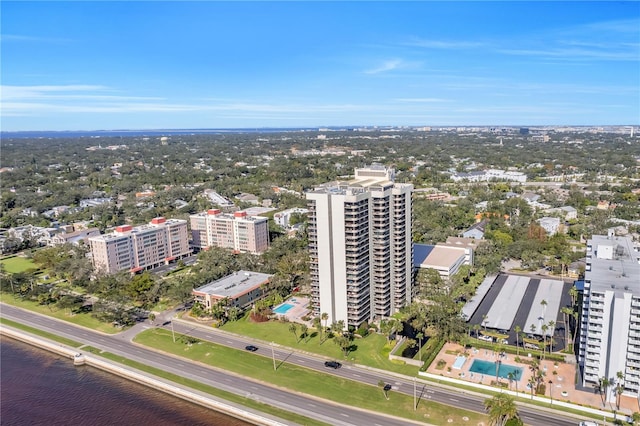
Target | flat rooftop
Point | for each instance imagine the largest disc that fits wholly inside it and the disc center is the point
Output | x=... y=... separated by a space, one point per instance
x=235 y=284
x=621 y=272
x=428 y=256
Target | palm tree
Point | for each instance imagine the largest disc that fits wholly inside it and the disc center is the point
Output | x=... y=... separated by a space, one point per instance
x=552 y=327
x=304 y=332
x=573 y=292
x=385 y=328
x=476 y=329
x=510 y=376
x=544 y=328
x=604 y=387
x=532 y=384
x=420 y=336
x=543 y=303
x=317 y=325
x=501 y=408
x=325 y=317
x=484 y=321
x=566 y=312
x=396 y=327
x=619 y=388
x=517 y=329
x=344 y=343
x=294 y=329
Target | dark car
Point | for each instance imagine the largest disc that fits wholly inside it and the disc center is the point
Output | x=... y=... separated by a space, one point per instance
x=251 y=348
x=332 y=364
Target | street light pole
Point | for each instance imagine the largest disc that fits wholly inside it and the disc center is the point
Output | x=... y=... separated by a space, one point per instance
x=273 y=356
x=173 y=333
x=415 y=403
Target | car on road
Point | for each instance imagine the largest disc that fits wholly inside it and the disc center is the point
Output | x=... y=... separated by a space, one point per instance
x=332 y=364
x=251 y=348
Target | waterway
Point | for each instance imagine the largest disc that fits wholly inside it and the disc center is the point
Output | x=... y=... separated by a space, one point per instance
x=40 y=388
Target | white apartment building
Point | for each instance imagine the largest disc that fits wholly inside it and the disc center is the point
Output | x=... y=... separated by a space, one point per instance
x=282 y=218
x=141 y=247
x=361 y=255
x=237 y=231
x=610 y=323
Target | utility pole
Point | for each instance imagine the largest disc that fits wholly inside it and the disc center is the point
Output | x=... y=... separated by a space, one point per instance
x=415 y=403
x=273 y=356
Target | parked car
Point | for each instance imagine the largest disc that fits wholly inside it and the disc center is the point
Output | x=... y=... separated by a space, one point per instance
x=332 y=364
x=251 y=348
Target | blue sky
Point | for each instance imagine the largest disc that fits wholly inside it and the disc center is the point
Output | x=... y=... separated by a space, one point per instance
x=208 y=64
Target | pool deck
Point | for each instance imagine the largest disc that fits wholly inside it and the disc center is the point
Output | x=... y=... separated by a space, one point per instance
x=563 y=379
x=299 y=309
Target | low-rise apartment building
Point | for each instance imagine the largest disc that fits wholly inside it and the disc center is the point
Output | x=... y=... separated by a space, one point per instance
x=283 y=218
x=142 y=247
x=241 y=289
x=237 y=231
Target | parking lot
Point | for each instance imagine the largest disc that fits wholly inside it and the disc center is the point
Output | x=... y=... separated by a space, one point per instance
x=514 y=300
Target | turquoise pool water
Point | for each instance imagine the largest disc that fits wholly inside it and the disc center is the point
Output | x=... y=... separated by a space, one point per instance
x=283 y=309
x=489 y=368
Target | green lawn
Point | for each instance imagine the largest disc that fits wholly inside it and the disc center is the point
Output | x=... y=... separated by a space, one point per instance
x=16 y=264
x=371 y=350
x=82 y=319
x=307 y=381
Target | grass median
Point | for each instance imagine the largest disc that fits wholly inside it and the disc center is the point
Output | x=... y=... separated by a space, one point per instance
x=308 y=381
x=81 y=319
x=40 y=333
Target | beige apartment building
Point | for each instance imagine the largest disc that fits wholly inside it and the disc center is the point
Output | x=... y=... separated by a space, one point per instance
x=237 y=231
x=142 y=247
x=241 y=289
x=361 y=256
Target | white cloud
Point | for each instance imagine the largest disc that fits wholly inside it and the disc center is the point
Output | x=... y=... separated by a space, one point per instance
x=385 y=67
x=40 y=92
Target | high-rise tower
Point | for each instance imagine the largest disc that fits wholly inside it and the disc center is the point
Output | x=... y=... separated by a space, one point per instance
x=610 y=323
x=360 y=246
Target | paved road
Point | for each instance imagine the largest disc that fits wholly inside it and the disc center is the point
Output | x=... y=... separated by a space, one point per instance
x=311 y=407
x=293 y=402
x=424 y=390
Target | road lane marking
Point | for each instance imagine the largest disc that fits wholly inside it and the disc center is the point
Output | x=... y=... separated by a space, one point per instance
x=453 y=399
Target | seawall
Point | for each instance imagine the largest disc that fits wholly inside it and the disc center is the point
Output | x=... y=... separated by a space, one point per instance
x=166 y=386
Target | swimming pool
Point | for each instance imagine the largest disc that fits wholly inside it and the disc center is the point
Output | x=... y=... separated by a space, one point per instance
x=283 y=309
x=459 y=362
x=489 y=368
